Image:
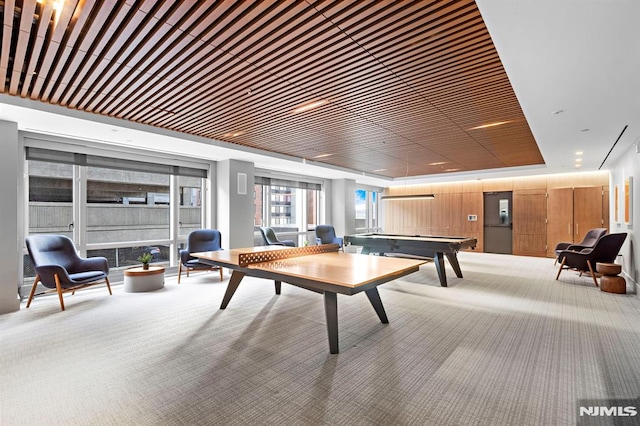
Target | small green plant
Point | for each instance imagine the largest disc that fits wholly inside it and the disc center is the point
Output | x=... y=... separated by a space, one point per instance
x=145 y=258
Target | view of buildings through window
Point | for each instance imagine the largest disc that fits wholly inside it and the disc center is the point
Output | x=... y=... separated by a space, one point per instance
x=118 y=214
x=292 y=212
x=366 y=211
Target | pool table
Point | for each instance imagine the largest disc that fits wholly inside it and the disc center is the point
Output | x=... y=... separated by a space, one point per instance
x=435 y=247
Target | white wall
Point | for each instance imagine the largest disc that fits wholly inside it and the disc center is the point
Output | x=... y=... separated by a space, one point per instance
x=11 y=247
x=628 y=165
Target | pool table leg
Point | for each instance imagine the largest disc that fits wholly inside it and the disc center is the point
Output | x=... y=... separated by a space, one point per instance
x=453 y=260
x=438 y=259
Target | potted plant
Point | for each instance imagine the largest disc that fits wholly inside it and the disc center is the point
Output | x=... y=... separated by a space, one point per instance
x=145 y=258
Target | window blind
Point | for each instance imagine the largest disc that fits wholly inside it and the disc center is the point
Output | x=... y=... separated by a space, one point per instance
x=261 y=180
x=41 y=154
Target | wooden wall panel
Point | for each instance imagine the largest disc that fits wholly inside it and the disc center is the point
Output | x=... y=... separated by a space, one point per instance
x=571 y=180
x=529 y=224
x=533 y=182
x=472 y=186
x=495 y=185
x=559 y=217
x=605 y=206
x=472 y=205
x=587 y=210
x=447 y=213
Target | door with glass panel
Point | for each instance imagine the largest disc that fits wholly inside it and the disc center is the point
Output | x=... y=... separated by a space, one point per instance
x=498 y=222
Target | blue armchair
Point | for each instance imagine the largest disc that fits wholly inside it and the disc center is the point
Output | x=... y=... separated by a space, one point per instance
x=325 y=234
x=59 y=268
x=270 y=239
x=198 y=241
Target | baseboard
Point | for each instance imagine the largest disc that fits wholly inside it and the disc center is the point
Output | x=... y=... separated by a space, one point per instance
x=8 y=305
x=631 y=280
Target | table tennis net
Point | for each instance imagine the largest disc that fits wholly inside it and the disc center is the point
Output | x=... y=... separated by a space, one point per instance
x=246 y=259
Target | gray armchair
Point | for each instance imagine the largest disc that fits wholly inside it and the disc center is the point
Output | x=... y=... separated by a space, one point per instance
x=198 y=241
x=326 y=234
x=605 y=251
x=270 y=239
x=590 y=239
x=60 y=268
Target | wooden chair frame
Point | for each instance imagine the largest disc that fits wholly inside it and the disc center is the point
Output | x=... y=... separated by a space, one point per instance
x=60 y=290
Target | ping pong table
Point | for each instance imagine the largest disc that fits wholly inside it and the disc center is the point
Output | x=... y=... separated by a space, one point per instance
x=322 y=269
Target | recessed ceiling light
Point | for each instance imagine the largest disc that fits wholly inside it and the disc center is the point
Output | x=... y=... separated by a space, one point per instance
x=484 y=126
x=233 y=134
x=380 y=170
x=323 y=155
x=310 y=106
x=437 y=163
x=578 y=160
x=578 y=152
x=451 y=170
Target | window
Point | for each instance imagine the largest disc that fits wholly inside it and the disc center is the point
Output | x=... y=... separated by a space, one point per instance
x=366 y=206
x=291 y=208
x=190 y=214
x=114 y=208
x=125 y=205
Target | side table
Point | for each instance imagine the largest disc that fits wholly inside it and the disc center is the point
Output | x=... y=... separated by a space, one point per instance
x=610 y=281
x=139 y=280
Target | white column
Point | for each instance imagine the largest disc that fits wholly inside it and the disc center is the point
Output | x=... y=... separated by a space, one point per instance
x=234 y=203
x=11 y=164
x=343 y=210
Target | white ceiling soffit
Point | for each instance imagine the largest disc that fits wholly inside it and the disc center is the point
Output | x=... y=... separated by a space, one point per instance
x=575 y=68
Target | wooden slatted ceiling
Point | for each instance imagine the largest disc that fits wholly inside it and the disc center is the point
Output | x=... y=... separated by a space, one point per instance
x=404 y=81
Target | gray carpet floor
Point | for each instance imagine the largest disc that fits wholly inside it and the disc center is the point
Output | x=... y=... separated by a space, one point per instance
x=505 y=345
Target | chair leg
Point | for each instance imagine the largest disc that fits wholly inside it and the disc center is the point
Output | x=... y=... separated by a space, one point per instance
x=106 y=279
x=33 y=290
x=59 y=289
x=593 y=274
x=179 y=271
x=561 y=265
x=221 y=276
